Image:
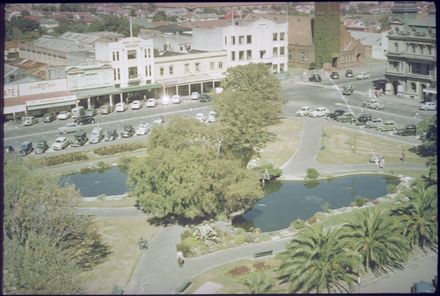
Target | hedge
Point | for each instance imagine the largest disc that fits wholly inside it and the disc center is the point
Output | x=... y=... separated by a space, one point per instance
x=118 y=148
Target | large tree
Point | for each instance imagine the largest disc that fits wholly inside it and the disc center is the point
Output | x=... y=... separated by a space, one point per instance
x=40 y=219
x=251 y=101
x=317 y=261
x=418 y=212
x=183 y=177
x=378 y=238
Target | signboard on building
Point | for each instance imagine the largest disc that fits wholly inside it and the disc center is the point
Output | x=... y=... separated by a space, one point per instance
x=71 y=98
x=41 y=87
x=10 y=91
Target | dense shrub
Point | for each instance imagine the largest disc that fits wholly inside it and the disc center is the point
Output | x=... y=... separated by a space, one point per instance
x=358 y=202
x=238 y=271
x=271 y=170
x=312 y=173
x=297 y=224
x=63 y=158
x=118 y=148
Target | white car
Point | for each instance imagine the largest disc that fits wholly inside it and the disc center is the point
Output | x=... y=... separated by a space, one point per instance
x=60 y=143
x=143 y=129
x=63 y=115
x=151 y=103
x=304 y=111
x=159 y=121
x=29 y=120
x=135 y=105
x=176 y=99
x=319 y=112
x=363 y=75
x=212 y=116
x=432 y=106
x=120 y=107
x=201 y=117
x=165 y=100
x=195 y=95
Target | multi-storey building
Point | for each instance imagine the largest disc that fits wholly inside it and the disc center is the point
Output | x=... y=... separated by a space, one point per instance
x=412 y=56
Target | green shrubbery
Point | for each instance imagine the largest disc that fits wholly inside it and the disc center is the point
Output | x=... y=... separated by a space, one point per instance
x=63 y=158
x=271 y=170
x=312 y=173
x=118 y=148
x=297 y=224
x=358 y=202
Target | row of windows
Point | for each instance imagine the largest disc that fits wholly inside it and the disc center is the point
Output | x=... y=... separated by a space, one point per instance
x=415 y=48
x=132 y=54
x=278 y=36
x=279 y=51
x=132 y=72
x=242 y=55
x=187 y=68
x=347 y=58
x=278 y=68
x=239 y=39
x=42 y=53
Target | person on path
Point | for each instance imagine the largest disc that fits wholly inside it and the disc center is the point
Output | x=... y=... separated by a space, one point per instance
x=180 y=260
x=382 y=162
x=403 y=156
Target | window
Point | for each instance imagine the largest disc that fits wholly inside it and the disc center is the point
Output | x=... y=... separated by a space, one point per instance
x=275 y=36
x=149 y=70
x=262 y=53
x=114 y=74
x=275 y=68
x=186 y=68
x=241 y=55
x=131 y=54
x=115 y=56
x=233 y=40
x=249 y=39
x=413 y=87
x=146 y=71
x=161 y=71
x=282 y=36
x=282 y=68
x=149 y=52
x=211 y=65
x=302 y=56
x=181 y=48
x=233 y=55
x=281 y=50
x=275 y=51
x=226 y=40
x=145 y=53
x=396 y=46
x=197 y=67
x=248 y=54
x=394 y=66
x=241 y=40
x=171 y=69
x=429 y=49
x=220 y=65
x=413 y=48
x=132 y=72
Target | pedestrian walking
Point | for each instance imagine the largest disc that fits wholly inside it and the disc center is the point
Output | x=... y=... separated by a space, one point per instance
x=359 y=284
x=180 y=259
x=402 y=158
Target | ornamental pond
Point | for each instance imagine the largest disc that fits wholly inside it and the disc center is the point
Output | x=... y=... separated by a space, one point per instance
x=284 y=201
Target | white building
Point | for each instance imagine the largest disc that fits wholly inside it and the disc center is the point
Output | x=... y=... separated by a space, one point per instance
x=375 y=43
x=245 y=41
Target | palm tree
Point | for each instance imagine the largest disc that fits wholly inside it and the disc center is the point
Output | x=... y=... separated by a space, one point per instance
x=317 y=261
x=257 y=283
x=378 y=239
x=419 y=215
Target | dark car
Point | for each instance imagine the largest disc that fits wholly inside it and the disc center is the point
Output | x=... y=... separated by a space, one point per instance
x=110 y=134
x=80 y=138
x=380 y=84
x=49 y=117
x=312 y=66
x=84 y=120
x=335 y=114
x=363 y=118
x=9 y=149
x=347 y=90
x=409 y=130
x=315 y=78
x=422 y=287
x=346 y=117
x=25 y=148
x=205 y=98
x=334 y=75
x=41 y=146
x=127 y=131
x=349 y=73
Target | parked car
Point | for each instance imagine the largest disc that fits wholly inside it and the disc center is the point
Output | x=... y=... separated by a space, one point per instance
x=346 y=117
x=422 y=287
x=431 y=106
x=71 y=127
x=165 y=100
x=334 y=75
x=315 y=78
x=110 y=134
x=25 y=148
x=60 y=143
x=374 y=123
x=176 y=99
x=135 y=105
x=29 y=120
x=335 y=114
x=304 y=111
x=195 y=95
x=151 y=103
x=205 y=98
x=41 y=146
x=347 y=90
x=96 y=135
x=348 y=73
x=380 y=84
x=80 y=138
x=319 y=112
x=363 y=75
x=143 y=129
x=372 y=104
x=63 y=115
x=408 y=130
x=200 y=117
x=159 y=121
x=120 y=107
x=127 y=131
x=78 y=111
x=90 y=112
x=84 y=120
x=212 y=116
x=363 y=118
x=106 y=109
x=48 y=117
x=388 y=125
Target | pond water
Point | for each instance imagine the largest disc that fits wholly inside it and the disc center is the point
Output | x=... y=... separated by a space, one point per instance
x=111 y=181
x=290 y=200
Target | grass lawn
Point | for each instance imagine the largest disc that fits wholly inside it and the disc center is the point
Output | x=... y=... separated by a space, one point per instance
x=122 y=235
x=287 y=134
x=116 y=203
x=343 y=146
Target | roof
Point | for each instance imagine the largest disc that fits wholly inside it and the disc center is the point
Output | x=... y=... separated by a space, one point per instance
x=171 y=28
x=366 y=38
x=34 y=68
x=58 y=44
x=13 y=44
x=80 y=37
x=214 y=4
x=20 y=100
x=300 y=30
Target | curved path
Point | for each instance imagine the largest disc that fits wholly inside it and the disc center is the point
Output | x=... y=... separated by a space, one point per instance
x=157 y=271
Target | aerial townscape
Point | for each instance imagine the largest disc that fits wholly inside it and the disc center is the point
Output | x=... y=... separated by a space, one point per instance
x=219 y=148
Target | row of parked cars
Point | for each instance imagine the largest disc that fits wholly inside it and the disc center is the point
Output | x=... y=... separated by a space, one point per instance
x=335 y=75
